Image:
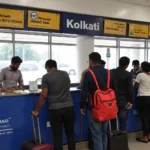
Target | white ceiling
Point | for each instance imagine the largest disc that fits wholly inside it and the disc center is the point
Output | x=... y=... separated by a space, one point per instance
x=138 y=2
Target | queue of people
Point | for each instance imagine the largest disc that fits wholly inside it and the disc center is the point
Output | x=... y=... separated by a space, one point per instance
x=56 y=87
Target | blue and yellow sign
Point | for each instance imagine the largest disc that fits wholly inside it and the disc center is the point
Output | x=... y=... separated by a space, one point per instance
x=43 y=20
x=115 y=27
x=138 y=30
x=11 y=18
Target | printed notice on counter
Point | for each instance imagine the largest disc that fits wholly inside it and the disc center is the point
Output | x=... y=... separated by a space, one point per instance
x=11 y=18
x=5 y=126
x=138 y=30
x=43 y=20
x=33 y=86
x=115 y=27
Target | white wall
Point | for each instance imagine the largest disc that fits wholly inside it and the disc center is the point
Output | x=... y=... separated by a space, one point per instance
x=107 y=8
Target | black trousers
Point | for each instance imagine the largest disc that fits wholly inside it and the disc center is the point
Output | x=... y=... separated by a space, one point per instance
x=90 y=140
x=58 y=118
x=144 y=112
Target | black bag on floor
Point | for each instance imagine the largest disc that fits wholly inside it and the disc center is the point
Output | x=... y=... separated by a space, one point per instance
x=117 y=140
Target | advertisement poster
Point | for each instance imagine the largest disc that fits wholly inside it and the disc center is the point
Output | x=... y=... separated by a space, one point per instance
x=115 y=27
x=43 y=20
x=138 y=30
x=11 y=18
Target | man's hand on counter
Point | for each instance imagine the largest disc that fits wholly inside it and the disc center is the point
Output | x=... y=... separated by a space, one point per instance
x=82 y=111
x=35 y=113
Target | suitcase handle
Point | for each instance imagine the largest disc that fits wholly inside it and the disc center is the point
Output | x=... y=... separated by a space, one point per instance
x=34 y=129
x=117 y=125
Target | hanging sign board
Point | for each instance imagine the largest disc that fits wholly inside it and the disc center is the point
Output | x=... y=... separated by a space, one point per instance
x=138 y=30
x=43 y=20
x=11 y=18
x=115 y=27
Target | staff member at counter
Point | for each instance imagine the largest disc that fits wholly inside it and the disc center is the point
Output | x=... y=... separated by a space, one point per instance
x=11 y=77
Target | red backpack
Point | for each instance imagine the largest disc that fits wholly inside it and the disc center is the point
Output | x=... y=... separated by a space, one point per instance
x=104 y=104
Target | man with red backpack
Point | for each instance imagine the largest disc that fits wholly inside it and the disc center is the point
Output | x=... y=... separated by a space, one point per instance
x=99 y=84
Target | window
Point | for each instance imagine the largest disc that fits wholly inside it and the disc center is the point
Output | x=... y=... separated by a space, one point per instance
x=110 y=62
x=6 y=53
x=133 y=50
x=103 y=42
x=132 y=54
x=31 y=38
x=63 y=55
x=63 y=40
x=34 y=57
x=6 y=36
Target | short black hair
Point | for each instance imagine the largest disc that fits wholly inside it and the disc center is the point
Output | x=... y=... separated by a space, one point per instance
x=124 y=61
x=95 y=57
x=16 y=60
x=135 y=62
x=145 y=66
x=51 y=64
x=103 y=62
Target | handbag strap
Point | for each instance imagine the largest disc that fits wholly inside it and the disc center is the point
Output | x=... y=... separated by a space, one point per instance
x=96 y=82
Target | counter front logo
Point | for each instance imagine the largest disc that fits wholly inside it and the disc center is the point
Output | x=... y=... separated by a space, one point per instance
x=82 y=24
x=43 y=20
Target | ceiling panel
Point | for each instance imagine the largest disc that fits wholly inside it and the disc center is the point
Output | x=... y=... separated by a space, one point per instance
x=139 y=2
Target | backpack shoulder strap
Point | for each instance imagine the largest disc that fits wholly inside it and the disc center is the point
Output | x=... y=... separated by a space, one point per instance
x=108 y=79
x=94 y=77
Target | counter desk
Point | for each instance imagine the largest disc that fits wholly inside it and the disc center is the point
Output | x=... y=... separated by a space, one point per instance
x=16 y=123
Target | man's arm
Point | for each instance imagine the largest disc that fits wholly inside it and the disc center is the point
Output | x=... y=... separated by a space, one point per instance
x=130 y=91
x=20 y=81
x=137 y=81
x=43 y=97
x=1 y=78
x=84 y=92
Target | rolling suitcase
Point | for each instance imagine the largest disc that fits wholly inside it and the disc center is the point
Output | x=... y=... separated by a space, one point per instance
x=117 y=140
x=36 y=144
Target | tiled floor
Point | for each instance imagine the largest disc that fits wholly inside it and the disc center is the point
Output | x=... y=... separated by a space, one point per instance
x=133 y=145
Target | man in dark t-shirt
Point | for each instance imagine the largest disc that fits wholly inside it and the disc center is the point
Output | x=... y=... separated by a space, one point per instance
x=56 y=87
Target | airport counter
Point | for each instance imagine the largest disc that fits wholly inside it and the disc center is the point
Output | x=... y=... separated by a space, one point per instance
x=16 y=123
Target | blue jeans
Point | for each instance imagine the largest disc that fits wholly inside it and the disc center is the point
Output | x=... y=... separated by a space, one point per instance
x=98 y=131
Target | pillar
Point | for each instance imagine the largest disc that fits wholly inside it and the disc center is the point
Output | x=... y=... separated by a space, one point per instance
x=85 y=45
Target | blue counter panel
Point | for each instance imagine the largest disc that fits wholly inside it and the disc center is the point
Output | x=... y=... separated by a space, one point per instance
x=15 y=121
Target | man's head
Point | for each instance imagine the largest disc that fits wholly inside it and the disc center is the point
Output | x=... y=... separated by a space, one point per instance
x=103 y=63
x=51 y=65
x=94 y=59
x=124 y=62
x=15 y=62
x=136 y=64
x=145 y=67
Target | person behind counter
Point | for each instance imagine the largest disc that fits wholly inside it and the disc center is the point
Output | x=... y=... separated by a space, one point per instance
x=123 y=80
x=11 y=76
x=142 y=82
x=98 y=129
x=56 y=86
x=136 y=69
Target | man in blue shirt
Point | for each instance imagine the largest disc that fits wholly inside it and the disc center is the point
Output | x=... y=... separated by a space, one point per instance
x=98 y=129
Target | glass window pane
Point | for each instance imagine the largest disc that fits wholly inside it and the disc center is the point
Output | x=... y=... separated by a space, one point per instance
x=103 y=42
x=149 y=55
x=6 y=53
x=69 y=63
x=148 y=44
x=110 y=62
x=133 y=54
x=6 y=36
x=31 y=38
x=34 y=57
x=132 y=44
x=67 y=40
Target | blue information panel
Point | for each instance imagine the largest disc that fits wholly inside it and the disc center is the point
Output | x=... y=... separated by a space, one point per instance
x=82 y=24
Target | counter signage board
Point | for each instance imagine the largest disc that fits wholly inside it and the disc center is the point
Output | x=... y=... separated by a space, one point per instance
x=82 y=24
x=138 y=30
x=115 y=27
x=11 y=18
x=43 y=20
